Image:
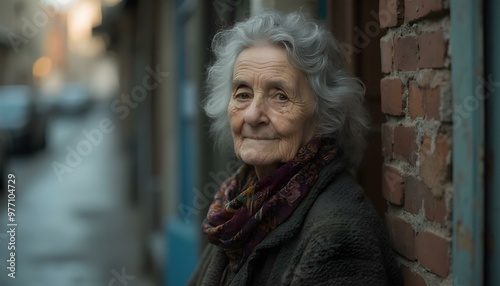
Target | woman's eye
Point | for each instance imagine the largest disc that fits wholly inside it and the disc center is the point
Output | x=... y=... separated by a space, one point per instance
x=282 y=97
x=242 y=95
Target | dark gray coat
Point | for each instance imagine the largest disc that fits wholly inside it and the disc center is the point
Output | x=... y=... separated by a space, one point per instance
x=334 y=237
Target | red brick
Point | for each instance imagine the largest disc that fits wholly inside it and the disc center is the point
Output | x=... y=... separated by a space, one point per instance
x=406 y=53
x=415 y=101
x=392 y=185
x=432 y=253
x=391 y=91
x=386 y=135
x=435 y=208
x=432 y=49
x=416 y=9
x=386 y=55
x=388 y=13
x=405 y=147
x=411 y=278
x=432 y=102
x=415 y=191
x=423 y=102
x=402 y=235
x=434 y=163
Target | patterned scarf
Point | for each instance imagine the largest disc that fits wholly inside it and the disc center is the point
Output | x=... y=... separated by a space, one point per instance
x=245 y=210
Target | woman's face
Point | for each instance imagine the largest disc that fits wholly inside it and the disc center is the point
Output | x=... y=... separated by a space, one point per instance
x=271 y=109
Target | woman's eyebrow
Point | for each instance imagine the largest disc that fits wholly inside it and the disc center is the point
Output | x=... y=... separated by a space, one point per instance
x=278 y=84
x=237 y=83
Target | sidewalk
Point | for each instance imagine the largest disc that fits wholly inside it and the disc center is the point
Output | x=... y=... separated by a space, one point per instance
x=80 y=231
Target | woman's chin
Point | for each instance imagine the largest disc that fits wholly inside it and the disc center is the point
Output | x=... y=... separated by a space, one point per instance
x=256 y=159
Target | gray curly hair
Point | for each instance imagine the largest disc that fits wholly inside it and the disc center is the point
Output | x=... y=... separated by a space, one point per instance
x=339 y=109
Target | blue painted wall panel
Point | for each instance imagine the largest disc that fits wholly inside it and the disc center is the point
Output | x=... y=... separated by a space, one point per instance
x=182 y=246
x=492 y=40
x=468 y=143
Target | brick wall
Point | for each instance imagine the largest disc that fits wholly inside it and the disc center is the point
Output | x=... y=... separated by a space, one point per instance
x=416 y=138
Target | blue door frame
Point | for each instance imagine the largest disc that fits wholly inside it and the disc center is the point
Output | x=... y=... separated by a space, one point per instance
x=492 y=55
x=183 y=231
x=468 y=142
x=475 y=49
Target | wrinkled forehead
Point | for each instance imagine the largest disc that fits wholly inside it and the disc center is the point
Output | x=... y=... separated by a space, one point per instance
x=266 y=59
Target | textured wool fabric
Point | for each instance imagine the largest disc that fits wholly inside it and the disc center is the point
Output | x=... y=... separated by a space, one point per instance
x=334 y=237
x=245 y=210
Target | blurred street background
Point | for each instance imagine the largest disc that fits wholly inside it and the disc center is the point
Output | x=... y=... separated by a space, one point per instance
x=80 y=230
x=101 y=125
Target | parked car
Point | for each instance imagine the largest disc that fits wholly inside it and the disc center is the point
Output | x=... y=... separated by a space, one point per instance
x=48 y=102
x=21 y=119
x=74 y=98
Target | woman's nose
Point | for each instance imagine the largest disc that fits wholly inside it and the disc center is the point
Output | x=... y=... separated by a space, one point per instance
x=256 y=113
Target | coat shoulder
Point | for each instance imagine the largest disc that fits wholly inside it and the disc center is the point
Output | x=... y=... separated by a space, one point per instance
x=343 y=200
x=342 y=228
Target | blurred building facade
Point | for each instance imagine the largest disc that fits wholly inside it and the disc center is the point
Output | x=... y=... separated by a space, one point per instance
x=46 y=43
x=22 y=27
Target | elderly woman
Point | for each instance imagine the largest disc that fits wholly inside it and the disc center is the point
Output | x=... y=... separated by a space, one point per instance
x=291 y=214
